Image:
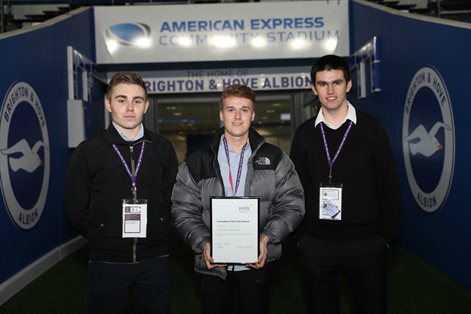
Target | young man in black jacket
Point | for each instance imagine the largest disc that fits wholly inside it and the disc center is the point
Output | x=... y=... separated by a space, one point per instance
x=346 y=165
x=117 y=196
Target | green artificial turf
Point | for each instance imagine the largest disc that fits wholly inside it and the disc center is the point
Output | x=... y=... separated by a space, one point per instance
x=413 y=287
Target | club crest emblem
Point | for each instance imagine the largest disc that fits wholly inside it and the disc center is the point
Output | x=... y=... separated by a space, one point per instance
x=24 y=155
x=428 y=139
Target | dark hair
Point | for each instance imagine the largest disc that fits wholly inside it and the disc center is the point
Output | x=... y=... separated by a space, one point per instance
x=125 y=78
x=330 y=62
x=237 y=90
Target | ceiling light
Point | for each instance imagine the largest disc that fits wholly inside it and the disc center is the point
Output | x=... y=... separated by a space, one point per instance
x=143 y=42
x=285 y=116
x=330 y=44
x=112 y=45
x=184 y=41
x=258 y=42
x=223 y=42
x=298 y=44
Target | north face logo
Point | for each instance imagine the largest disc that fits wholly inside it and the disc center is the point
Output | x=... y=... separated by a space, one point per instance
x=262 y=161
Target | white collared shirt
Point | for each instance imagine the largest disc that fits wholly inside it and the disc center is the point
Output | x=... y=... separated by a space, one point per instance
x=351 y=115
x=140 y=133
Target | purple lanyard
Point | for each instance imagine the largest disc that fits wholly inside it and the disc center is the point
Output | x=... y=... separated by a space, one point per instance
x=239 y=170
x=326 y=146
x=133 y=174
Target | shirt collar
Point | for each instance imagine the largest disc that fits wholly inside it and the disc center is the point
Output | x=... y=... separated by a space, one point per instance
x=140 y=133
x=351 y=115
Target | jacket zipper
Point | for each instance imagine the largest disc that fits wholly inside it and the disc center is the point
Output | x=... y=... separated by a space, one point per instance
x=134 y=250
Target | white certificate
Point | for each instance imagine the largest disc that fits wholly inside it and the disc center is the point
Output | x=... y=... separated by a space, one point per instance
x=234 y=229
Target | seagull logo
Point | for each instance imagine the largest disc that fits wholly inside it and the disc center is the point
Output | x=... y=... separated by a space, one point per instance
x=428 y=139
x=423 y=142
x=28 y=159
x=24 y=155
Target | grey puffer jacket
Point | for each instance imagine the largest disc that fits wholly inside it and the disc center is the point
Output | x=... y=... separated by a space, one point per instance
x=270 y=176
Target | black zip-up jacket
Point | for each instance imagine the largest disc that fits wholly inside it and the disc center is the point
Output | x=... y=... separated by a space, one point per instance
x=98 y=182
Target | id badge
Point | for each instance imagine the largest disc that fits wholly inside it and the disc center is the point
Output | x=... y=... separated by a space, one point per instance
x=330 y=202
x=134 y=218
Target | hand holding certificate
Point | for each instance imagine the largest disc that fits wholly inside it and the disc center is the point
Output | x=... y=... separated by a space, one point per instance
x=262 y=257
x=208 y=259
x=234 y=230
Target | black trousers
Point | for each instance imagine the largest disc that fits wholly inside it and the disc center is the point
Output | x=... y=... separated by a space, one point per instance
x=362 y=261
x=110 y=285
x=251 y=287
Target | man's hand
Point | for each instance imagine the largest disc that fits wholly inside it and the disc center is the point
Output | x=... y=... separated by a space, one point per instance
x=263 y=253
x=208 y=259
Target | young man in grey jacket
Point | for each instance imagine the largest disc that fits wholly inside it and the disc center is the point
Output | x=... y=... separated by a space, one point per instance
x=238 y=162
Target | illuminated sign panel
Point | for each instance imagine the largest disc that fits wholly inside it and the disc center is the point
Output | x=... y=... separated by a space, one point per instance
x=224 y=31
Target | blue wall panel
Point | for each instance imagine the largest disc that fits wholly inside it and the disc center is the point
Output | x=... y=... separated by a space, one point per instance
x=38 y=58
x=442 y=237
